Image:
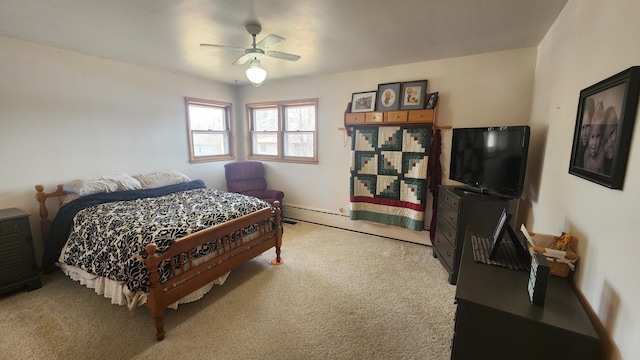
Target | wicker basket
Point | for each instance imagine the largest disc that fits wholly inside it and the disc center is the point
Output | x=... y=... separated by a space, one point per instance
x=556 y=268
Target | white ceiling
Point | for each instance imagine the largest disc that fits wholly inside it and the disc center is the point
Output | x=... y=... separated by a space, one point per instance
x=330 y=35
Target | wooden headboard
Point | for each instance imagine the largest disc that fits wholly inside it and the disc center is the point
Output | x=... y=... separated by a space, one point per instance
x=41 y=196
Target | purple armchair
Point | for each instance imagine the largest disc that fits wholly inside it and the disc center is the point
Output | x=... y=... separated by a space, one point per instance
x=247 y=177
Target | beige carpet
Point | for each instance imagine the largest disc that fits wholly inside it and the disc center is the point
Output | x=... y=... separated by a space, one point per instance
x=339 y=295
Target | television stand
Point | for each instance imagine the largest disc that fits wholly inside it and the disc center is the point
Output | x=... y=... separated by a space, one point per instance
x=457 y=209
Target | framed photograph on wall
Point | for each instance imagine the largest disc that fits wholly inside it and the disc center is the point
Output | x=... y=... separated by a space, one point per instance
x=432 y=100
x=604 y=124
x=413 y=94
x=389 y=94
x=363 y=101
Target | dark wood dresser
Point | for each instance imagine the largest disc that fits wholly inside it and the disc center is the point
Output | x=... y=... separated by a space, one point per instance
x=18 y=267
x=495 y=319
x=457 y=209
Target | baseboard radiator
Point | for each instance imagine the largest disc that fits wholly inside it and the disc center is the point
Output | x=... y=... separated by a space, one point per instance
x=342 y=221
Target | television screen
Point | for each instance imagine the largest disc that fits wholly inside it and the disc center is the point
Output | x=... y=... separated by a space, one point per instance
x=491 y=160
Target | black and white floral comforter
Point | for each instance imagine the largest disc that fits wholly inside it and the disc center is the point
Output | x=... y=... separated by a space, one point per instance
x=108 y=239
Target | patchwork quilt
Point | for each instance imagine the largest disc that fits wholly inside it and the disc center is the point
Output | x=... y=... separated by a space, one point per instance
x=389 y=175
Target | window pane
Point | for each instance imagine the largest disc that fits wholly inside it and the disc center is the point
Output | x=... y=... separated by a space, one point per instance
x=265 y=143
x=210 y=144
x=207 y=118
x=301 y=118
x=266 y=119
x=298 y=144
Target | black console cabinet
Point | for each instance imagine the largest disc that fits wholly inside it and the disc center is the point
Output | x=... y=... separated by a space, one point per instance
x=495 y=320
x=457 y=209
x=17 y=258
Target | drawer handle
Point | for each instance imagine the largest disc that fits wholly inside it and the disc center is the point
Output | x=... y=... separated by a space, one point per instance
x=15 y=226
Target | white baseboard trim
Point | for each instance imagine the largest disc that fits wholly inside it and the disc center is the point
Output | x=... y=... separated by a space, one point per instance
x=342 y=221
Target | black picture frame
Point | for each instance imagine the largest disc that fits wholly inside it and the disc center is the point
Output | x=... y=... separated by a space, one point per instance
x=413 y=95
x=388 y=97
x=604 y=125
x=432 y=100
x=363 y=101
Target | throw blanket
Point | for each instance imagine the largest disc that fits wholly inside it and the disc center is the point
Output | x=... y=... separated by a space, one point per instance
x=435 y=179
x=108 y=239
x=388 y=175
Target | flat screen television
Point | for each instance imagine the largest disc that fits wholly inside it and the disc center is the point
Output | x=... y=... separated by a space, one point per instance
x=490 y=160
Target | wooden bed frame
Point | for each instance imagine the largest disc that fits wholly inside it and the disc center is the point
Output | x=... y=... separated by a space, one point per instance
x=231 y=252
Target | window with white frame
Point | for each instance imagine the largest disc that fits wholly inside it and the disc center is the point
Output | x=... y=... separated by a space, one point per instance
x=283 y=131
x=209 y=126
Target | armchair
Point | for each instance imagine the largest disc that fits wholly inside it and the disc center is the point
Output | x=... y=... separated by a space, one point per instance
x=247 y=177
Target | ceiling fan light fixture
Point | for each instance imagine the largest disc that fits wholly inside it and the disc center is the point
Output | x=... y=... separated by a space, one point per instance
x=255 y=73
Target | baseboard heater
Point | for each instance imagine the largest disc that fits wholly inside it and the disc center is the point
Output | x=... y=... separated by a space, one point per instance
x=342 y=221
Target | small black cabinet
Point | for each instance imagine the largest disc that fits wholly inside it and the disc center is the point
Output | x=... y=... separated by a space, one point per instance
x=18 y=266
x=457 y=209
x=495 y=319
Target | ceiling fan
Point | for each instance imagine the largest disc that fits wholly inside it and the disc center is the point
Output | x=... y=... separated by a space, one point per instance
x=255 y=73
x=259 y=50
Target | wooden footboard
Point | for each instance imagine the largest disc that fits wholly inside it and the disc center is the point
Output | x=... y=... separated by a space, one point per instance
x=189 y=274
x=231 y=252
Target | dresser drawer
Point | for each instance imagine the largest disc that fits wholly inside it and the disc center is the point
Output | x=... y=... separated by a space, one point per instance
x=14 y=226
x=447 y=230
x=446 y=252
x=449 y=214
x=373 y=117
x=448 y=198
x=354 y=118
x=396 y=117
x=420 y=116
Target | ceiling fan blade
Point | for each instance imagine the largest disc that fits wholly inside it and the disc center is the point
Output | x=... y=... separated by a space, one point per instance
x=270 y=40
x=283 y=56
x=244 y=58
x=223 y=46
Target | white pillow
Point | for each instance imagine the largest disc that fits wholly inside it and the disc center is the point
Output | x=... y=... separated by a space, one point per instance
x=124 y=181
x=90 y=185
x=101 y=184
x=161 y=178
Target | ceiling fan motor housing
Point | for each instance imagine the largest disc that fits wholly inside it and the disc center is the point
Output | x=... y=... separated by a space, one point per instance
x=254 y=29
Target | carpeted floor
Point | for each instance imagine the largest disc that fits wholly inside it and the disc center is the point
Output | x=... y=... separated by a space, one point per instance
x=339 y=295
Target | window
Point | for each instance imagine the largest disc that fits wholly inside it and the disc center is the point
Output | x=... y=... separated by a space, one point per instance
x=283 y=131
x=209 y=124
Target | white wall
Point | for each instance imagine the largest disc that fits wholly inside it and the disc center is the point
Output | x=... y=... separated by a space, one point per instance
x=482 y=90
x=65 y=115
x=590 y=41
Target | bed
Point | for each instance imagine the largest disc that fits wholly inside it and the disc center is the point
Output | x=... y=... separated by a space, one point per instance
x=155 y=246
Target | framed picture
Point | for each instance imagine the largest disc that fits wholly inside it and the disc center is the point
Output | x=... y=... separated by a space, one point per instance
x=363 y=101
x=433 y=99
x=604 y=124
x=413 y=94
x=389 y=96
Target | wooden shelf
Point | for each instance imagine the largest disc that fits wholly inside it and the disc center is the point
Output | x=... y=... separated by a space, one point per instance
x=383 y=118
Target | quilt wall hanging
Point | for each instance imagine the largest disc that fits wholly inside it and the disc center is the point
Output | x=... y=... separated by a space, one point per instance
x=389 y=175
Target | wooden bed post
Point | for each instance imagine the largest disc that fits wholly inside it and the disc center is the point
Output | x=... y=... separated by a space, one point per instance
x=278 y=260
x=155 y=290
x=41 y=196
